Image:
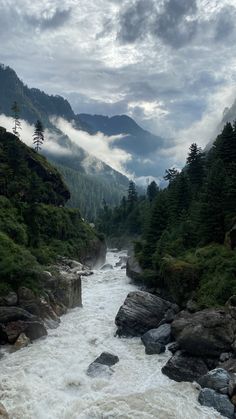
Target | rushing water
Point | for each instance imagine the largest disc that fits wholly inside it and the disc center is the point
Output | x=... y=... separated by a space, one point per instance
x=48 y=380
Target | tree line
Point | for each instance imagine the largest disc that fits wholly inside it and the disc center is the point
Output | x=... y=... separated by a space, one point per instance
x=182 y=231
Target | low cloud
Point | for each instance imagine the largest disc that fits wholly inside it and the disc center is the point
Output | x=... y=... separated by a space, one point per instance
x=97 y=145
x=26 y=135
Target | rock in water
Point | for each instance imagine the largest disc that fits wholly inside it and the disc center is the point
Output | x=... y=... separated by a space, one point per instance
x=155 y=340
x=107 y=359
x=3 y=412
x=101 y=365
x=141 y=312
x=21 y=342
x=183 y=367
x=217 y=379
x=95 y=370
x=206 y=333
x=219 y=402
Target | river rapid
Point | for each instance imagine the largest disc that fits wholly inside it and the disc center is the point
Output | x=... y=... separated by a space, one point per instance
x=47 y=380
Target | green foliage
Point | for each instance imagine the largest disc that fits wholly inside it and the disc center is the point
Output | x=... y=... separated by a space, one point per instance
x=16 y=264
x=35 y=227
x=182 y=230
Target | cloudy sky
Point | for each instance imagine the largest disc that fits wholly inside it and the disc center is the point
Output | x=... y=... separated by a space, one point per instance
x=170 y=64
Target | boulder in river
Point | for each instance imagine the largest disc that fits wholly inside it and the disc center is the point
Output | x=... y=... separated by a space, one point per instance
x=183 y=367
x=9 y=300
x=205 y=333
x=101 y=365
x=107 y=359
x=220 y=402
x=96 y=370
x=141 y=312
x=217 y=379
x=155 y=339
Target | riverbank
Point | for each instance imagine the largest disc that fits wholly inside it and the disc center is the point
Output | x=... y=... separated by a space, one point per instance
x=48 y=380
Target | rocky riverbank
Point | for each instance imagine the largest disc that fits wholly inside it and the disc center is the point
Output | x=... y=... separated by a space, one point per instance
x=202 y=342
x=25 y=315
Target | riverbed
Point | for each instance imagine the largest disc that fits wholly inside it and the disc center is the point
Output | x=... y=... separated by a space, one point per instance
x=47 y=380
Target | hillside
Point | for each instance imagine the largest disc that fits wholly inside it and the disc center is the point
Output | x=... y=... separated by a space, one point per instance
x=186 y=233
x=35 y=104
x=35 y=226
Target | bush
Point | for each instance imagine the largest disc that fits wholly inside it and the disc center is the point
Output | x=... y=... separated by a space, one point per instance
x=16 y=264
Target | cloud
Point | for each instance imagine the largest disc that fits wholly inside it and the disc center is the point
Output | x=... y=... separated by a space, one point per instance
x=161 y=62
x=98 y=145
x=26 y=135
x=49 y=19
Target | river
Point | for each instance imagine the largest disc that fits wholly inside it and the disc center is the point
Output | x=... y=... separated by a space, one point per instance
x=47 y=380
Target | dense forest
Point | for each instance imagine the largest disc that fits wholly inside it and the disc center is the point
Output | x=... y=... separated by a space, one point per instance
x=185 y=234
x=35 y=226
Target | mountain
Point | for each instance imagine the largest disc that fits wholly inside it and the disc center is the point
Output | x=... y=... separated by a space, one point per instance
x=141 y=144
x=70 y=158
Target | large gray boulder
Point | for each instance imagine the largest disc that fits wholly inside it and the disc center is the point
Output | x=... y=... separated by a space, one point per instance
x=220 y=402
x=217 y=379
x=141 y=312
x=183 y=367
x=155 y=339
x=206 y=333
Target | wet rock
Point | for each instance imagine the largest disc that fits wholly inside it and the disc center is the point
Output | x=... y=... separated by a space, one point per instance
x=192 y=306
x=3 y=412
x=141 y=312
x=96 y=370
x=8 y=314
x=21 y=342
x=101 y=365
x=9 y=300
x=229 y=365
x=173 y=347
x=40 y=306
x=220 y=402
x=32 y=329
x=155 y=340
x=232 y=385
x=183 y=367
x=133 y=268
x=217 y=379
x=225 y=356
x=206 y=333
x=106 y=267
x=35 y=330
x=107 y=359
x=233 y=400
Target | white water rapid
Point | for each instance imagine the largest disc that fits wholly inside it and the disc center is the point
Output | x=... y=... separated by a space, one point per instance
x=47 y=380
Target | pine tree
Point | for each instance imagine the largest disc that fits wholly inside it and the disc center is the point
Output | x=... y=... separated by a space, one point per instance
x=152 y=191
x=194 y=167
x=38 y=136
x=16 y=114
x=171 y=174
x=132 y=195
